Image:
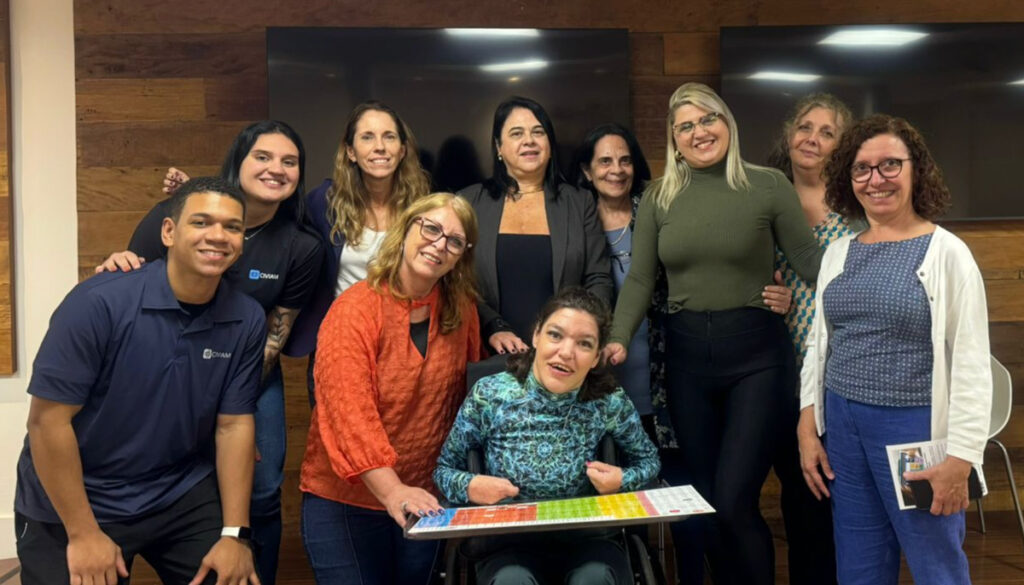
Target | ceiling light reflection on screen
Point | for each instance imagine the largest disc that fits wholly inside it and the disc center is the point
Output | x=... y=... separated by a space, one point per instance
x=528 y=65
x=492 y=32
x=785 y=76
x=872 y=37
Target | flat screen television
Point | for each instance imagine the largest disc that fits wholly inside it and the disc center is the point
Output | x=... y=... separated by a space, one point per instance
x=445 y=83
x=961 y=85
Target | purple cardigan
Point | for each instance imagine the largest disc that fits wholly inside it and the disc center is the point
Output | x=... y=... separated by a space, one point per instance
x=302 y=341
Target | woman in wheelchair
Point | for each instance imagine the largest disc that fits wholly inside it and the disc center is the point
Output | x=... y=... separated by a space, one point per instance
x=538 y=426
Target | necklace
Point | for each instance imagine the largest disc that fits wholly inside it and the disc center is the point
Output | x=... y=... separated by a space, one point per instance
x=516 y=196
x=257 y=232
x=622 y=234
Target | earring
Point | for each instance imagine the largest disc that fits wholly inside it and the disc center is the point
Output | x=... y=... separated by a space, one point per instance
x=679 y=155
x=499 y=156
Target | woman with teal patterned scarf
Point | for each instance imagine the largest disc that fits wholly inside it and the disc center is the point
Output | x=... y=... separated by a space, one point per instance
x=538 y=426
x=808 y=138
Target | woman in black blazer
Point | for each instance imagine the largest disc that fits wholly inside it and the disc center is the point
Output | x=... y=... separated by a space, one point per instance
x=538 y=234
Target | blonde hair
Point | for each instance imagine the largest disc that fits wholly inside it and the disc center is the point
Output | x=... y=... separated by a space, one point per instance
x=457 y=286
x=677 y=172
x=779 y=156
x=348 y=199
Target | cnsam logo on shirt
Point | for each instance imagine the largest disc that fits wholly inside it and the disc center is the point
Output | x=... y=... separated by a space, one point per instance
x=209 y=354
x=255 y=274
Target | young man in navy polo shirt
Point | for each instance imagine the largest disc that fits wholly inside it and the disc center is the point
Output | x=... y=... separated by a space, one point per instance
x=140 y=431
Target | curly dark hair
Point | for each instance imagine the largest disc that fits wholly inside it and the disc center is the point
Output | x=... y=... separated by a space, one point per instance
x=930 y=195
x=599 y=381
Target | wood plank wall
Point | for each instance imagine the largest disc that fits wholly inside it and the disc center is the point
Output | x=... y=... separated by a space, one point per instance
x=7 y=329
x=161 y=83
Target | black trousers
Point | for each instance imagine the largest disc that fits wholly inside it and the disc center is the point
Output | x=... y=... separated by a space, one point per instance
x=574 y=557
x=811 y=546
x=174 y=541
x=728 y=376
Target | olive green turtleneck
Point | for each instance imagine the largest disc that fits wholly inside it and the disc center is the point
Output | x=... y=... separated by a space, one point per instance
x=717 y=245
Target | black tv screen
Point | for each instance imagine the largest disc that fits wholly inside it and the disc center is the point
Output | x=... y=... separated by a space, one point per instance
x=961 y=85
x=445 y=83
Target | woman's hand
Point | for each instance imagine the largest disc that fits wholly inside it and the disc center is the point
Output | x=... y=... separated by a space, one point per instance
x=607 y=479
x=812 y=455
x=949 y=485
x=124 y=261
x=615 y=353
x=487 y=489
x=173 y=179
x=507 y=342
x=778 y=297
x=406 y=499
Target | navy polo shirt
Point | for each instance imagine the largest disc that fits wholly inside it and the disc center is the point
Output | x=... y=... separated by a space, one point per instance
x=151 y=383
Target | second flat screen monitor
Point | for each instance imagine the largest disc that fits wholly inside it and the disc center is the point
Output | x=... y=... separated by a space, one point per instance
x=445 y=83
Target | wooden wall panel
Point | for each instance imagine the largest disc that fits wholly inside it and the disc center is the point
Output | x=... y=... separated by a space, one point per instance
x=690 y=53
x=126 y=188
x=165 y=143
x=7 y=348
x=170 y=55
x=164 y=83
x=140 y=99
x=213 y=16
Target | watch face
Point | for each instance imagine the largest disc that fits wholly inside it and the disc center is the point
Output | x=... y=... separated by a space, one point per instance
x=240 y=532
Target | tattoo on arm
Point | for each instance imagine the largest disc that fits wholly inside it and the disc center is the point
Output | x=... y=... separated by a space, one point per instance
x=279 y=327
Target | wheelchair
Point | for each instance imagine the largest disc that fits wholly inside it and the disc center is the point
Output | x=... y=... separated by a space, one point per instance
x=646 y=569
x=461 y=553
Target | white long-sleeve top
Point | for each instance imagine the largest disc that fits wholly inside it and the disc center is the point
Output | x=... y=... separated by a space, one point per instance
x=961 y=371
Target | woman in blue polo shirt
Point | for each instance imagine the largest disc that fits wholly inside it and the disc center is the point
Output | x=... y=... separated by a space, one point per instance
x=279 y=267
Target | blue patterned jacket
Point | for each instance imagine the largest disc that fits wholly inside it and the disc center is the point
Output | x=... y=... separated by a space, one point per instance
x=541 y=441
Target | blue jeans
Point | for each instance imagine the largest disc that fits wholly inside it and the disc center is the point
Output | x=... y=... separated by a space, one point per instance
x=349 y=545
x=870 y=529
x=265 y=510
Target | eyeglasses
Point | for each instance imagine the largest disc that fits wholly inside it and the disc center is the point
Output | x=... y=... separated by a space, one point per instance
x=707 y=121
x=889 y=169
x=432 y=232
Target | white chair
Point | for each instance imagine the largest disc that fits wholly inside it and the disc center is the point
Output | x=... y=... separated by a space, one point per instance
x=1002 y=405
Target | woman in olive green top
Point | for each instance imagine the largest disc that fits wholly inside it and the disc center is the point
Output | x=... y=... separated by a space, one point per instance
x=714 y=220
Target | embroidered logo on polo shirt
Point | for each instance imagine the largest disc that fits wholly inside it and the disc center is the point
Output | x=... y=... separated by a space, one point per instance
x=255 y=274
x=209 y=354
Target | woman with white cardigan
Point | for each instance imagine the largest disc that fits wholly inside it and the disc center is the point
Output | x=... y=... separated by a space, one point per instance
x=898 y=353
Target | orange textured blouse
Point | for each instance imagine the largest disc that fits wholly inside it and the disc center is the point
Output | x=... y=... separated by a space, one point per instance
x=378 y=402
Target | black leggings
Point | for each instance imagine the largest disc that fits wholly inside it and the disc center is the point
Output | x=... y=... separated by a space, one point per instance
x=729 y=374
x=808 y=521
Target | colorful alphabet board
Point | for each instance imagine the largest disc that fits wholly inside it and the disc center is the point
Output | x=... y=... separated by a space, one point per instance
x=642 y=507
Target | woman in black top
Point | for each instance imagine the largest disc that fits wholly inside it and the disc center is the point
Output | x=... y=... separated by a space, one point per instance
x=279 y=266
x=538 y=234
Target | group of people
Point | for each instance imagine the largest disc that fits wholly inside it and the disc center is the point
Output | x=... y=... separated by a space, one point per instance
x=157 y=422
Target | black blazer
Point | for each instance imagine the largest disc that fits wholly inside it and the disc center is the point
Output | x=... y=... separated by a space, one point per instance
x=579 y=250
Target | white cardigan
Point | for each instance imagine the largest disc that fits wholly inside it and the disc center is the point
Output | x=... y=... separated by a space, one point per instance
x=961 y=371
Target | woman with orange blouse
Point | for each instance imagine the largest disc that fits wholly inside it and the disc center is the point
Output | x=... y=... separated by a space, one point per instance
x=390 y=376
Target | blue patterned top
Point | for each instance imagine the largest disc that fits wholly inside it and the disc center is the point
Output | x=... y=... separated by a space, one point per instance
x=801 y=313
x=541 y=441
x=635 y=373
x=881 y=340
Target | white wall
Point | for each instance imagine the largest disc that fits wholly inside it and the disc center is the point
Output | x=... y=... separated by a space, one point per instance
x=45 y=220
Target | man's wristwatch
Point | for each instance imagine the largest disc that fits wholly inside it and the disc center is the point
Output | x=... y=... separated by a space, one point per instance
x=239 y=532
